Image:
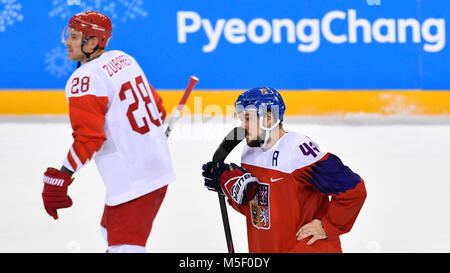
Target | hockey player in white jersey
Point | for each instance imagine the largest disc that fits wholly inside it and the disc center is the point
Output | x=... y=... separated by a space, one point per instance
x=117 y=118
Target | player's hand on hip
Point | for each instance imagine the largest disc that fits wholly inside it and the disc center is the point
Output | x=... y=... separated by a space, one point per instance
x=54 y=194
x=235 y=181
x=314 y=229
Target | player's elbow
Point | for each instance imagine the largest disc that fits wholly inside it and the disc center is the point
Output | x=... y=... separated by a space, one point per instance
x=361 y=193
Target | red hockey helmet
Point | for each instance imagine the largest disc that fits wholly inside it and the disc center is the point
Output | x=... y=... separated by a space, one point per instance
x=93 y=24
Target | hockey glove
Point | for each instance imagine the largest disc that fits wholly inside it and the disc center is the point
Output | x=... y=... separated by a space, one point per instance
x=54 y=194
x=235 y=181
x=211 y=181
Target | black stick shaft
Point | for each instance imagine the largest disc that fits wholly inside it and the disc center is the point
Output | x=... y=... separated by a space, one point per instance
x=232 y=139
x=226 y=222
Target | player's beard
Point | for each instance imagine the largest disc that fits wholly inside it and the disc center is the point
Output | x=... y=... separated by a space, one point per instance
x=253 y=142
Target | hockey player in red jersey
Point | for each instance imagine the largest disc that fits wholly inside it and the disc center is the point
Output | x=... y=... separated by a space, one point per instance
x=117 y=118
x=285 y=182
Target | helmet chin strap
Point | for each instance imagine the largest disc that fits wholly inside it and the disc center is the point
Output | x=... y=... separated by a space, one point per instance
x=266 y=132
x=87 y=54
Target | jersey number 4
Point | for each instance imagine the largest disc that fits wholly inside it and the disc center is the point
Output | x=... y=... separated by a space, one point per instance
x=309 y=149
x=143 y=99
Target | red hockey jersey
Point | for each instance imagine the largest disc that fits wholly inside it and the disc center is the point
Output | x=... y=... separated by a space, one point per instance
x=299 y=183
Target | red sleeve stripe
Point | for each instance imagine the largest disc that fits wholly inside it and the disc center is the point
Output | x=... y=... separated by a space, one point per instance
x=72 y=161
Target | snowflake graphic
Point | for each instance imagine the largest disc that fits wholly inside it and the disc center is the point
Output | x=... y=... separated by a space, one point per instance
x=115 y=9
x=57 y=62
x=133 y=9
x=9 y=13
x=61 y=9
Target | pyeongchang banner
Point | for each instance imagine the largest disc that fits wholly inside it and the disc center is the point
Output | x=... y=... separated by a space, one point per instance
x=239 y=44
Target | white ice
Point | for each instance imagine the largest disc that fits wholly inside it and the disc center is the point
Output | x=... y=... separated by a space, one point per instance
x=403 y=160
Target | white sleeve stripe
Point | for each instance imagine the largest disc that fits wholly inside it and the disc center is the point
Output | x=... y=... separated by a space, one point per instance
x=75 y=157
x=67 y=164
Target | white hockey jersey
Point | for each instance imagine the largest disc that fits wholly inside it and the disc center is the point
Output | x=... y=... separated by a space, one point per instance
x=117 y=118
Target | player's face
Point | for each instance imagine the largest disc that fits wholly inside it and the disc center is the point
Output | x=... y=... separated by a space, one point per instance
x=73 y=44
x=250 y=122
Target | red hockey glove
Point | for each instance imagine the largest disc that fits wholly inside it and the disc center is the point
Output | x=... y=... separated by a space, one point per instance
x=54 y=194
x=235 y=181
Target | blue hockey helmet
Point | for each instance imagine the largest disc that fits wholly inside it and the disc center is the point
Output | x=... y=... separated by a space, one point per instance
x=261 y=99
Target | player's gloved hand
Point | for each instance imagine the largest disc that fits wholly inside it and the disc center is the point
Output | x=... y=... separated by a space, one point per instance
x=54 y=194
x=211 y=180
x=235 y=181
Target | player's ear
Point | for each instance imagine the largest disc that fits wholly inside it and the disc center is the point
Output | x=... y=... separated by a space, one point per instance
x=92 y=43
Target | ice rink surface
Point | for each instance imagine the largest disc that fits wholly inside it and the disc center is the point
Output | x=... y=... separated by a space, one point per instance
x=405 y=162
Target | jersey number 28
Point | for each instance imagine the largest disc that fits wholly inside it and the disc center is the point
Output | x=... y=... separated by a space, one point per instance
x=144 y=98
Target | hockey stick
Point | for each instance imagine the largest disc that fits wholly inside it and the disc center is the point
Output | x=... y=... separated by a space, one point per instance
x=192 y=82
x=231 y=140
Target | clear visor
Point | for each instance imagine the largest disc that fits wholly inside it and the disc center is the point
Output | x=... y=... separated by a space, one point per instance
x=247 y=119
x=241 y=114
x=66 y=33
x=250 y=116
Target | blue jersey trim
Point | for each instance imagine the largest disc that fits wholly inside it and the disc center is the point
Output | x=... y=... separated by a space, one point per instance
x=331 y=176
